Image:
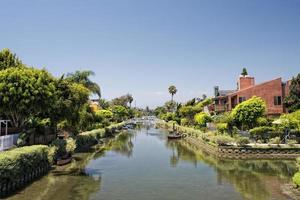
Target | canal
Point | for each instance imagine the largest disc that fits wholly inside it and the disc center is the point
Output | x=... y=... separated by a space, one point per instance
x=143 y=164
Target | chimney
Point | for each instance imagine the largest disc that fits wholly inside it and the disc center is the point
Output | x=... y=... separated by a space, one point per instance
x=245 y=82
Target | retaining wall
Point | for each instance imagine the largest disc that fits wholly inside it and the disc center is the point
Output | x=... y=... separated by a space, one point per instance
x=245 y=152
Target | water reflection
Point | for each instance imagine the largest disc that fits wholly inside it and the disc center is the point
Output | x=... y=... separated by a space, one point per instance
x=143 y=164
x=73 y=181
x=254 y=179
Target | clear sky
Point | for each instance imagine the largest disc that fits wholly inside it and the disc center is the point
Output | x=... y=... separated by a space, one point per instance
x=143 y=46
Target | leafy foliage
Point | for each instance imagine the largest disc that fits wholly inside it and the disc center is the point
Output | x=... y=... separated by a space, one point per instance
x=202 y=118
x=292 y=102
x=246 y=113
x=25 y=92
x=16 y=163
x=120 y=113
x=242 y=141
x=244 y=72
x=172 y=90
x=296 y=179
x=8 y=60
x=82 y=77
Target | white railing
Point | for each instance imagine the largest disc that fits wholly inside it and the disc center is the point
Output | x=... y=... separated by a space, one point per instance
x=7 y=141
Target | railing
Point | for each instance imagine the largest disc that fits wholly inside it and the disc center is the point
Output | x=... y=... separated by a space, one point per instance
x=7 y=141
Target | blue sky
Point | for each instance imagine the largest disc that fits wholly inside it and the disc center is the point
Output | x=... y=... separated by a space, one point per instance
x=143 y=46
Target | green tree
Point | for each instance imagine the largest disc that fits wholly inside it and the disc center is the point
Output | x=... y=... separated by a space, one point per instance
x=83 y=77
x=104 y=114
x=104 y=104
x=188 y=112
x=120 y=113
x=8 y=59
x=202 y=118
x=247 y=112
x=292 y=101
x=24 y=93
x=170 y=106
x=130 y=99
x=244 y=72
x=70 y=99
x=123 y=100
x=172 y=90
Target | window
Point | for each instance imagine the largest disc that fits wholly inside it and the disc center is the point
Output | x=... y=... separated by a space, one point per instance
x=241 y=99
x=277 y=100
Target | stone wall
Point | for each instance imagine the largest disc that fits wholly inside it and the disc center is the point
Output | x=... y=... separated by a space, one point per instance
x=245 y=152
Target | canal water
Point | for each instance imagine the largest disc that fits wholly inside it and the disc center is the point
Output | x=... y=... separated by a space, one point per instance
x=143 y=165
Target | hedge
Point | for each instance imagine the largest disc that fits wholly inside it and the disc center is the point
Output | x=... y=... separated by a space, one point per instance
x=90 y=138
x=16 y=163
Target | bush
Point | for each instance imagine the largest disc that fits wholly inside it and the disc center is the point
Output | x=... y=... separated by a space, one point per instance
x=208 y=136
x=275 y=140
x=64 y=147
x=292 y=142
x=169 y=117
x=184 y=122
x=242 y=141
x=258 y=132
x=262 y=121
x=16 y=163
x=247 y=112
x=222 y=127
x=296 y=179
x=222 y=118
x=202 y=118
x=222 y=140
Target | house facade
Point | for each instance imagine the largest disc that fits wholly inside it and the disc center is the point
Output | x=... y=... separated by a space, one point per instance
x=273 y=92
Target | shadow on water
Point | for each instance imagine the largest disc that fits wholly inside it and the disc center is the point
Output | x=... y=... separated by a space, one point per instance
x=254 y=179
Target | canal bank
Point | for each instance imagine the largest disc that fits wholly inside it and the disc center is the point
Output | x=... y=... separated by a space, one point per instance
x=197 y=137
x=21 y=166
x=143 y=164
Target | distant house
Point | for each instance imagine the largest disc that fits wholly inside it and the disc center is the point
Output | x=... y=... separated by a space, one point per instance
x=272 y=92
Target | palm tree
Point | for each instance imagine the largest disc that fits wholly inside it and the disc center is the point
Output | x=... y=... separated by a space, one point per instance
x=130 y=99
x=82 y=77
x=172 y=91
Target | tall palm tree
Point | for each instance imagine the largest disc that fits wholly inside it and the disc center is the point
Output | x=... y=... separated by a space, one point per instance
x=83 y=77
x=172 y=91
x=130 y=99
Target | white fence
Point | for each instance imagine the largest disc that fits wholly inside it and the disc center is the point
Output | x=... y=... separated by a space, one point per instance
x=7 y=141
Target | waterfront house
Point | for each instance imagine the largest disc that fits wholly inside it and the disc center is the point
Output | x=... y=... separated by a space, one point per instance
x=273 y=92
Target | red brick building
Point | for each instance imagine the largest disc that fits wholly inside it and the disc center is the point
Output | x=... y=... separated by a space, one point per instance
x=272 y=92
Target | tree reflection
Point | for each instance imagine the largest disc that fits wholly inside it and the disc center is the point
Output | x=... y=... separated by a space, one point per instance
x=122 y=144
x=254 y=179
x=72 y=181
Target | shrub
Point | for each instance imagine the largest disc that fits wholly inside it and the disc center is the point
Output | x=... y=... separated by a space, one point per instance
x=262 y=121
x=222 y=127
x=242 y=141
x=184 y=122
x=247 y=112
x=222 y=140
x=222 y=118
x=258 y=132
x=209 y=136
x=63 y=147
x=202 y=118
x=169 y=117
x=292 y=142
x=102 y=115
x=275 y=140
x=70 y=146
x=16 y=163
x=296 y=179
